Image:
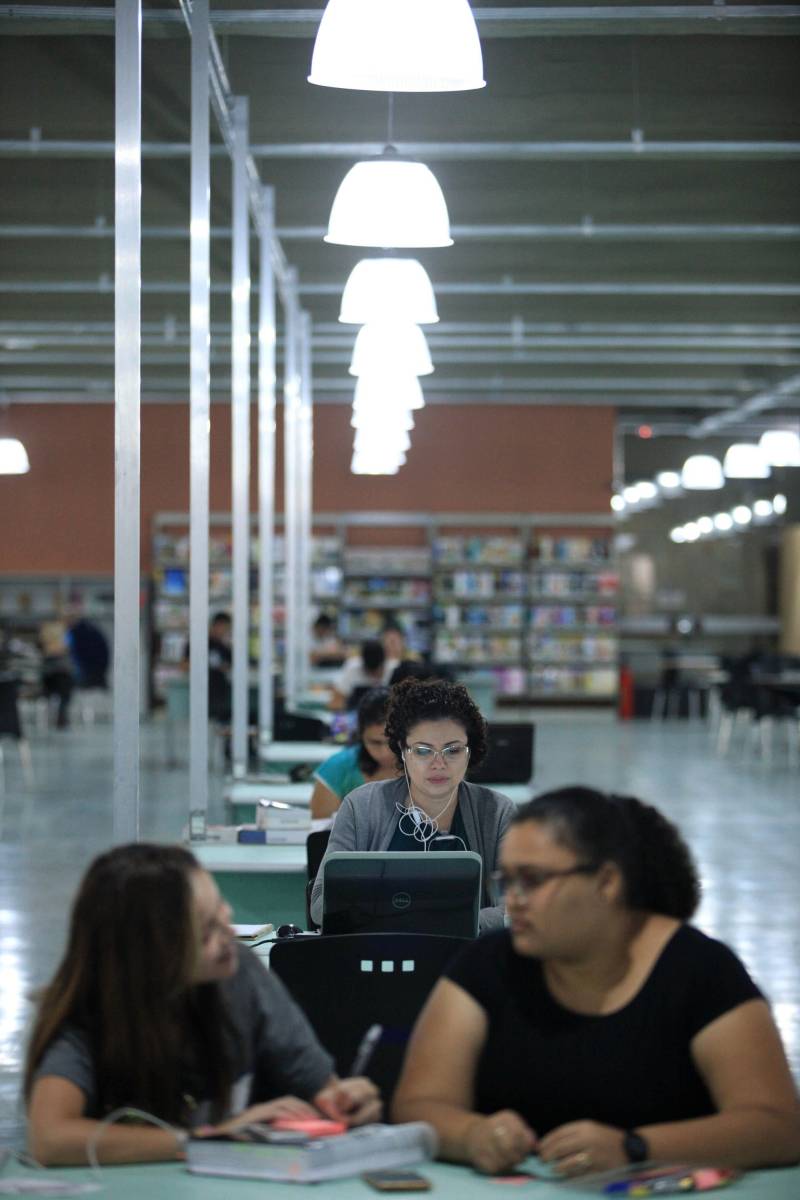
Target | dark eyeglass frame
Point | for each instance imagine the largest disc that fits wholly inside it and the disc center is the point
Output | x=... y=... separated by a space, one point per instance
x=538 y=877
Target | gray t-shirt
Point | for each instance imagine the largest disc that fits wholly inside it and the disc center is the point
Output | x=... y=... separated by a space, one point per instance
x=275 y=1050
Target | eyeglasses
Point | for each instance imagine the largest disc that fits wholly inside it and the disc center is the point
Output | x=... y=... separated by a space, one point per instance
x=451 y=754
x=529 y=879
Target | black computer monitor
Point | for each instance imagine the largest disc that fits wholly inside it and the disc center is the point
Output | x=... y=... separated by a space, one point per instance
x=510 y=755
x=383 y=891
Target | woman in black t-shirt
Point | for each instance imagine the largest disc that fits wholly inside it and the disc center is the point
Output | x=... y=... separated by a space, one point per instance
x=600 y=1028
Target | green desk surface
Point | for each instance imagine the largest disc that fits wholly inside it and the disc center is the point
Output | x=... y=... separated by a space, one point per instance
x=299 y=752
x=261 y=883
x=253 y=789
x=163 y=1181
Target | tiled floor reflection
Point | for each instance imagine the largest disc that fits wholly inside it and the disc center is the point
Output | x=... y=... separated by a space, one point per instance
x=742 y=820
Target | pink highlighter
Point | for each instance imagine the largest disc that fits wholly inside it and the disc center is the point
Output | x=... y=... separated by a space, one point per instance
x=310 y=1127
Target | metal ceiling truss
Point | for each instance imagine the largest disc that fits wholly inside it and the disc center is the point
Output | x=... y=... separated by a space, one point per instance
x=556 y=21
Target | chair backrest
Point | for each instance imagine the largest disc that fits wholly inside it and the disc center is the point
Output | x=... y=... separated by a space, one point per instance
x=9 y=713
x=346 y=984
x=510 y=755
x=316 y=845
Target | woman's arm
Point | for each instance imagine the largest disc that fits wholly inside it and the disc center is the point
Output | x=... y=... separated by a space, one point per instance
x=343 y=837
x=324 y=801
x=437 y=1084
x=59 y=1133
x=741 y=1060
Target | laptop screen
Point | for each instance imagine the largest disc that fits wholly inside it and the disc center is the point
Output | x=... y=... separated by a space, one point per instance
x=510 y=755
x=401 y=892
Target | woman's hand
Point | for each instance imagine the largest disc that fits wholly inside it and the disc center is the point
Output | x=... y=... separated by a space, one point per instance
x=582 y=1147
x=283 y=1106
x=498 y=1142
x=356 y=1101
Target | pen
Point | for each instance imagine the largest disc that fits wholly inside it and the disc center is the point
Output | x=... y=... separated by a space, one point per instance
x=365 y=1049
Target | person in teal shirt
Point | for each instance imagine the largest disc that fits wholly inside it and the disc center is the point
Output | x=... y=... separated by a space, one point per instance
x=367 y=760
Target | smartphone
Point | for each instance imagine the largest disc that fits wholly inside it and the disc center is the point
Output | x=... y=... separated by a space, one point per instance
x=397 y=1181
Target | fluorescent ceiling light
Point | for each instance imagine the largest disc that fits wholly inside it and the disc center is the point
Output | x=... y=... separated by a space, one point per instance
x=398 y=46
x=13 y=457
x=390 y=203
x=383 y=348
x=780 y=447
x=388 y=289
x=745 y=460
x=702 y=472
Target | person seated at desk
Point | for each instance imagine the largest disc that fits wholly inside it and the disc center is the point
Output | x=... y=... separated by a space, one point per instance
x=435 y=731
x=600 y=1028
x=156 y=1005
x=369 y=758
x=369 y=668
x=326 y=647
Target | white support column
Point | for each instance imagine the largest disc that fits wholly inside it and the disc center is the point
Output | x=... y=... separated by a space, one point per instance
x=199 y=421
x=305 y=450
x=240 y=434
x=291 y=418
x=127 y=434
x=266 y=467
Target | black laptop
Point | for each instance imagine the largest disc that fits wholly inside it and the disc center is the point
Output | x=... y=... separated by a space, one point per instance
x=510 y=755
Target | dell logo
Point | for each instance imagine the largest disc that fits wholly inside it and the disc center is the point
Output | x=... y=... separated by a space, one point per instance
x=401 y=900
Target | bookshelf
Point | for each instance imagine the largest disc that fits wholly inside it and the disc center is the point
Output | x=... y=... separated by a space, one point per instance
x=381 y=583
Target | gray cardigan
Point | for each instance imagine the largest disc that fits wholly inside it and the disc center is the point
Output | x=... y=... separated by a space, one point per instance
x=367 y=820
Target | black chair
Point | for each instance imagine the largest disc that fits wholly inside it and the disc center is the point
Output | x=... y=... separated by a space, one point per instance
x=346 y=984
x=510 y=755
x=316 y=845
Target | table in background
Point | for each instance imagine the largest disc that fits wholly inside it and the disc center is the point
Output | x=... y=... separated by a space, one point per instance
x=261 y=883
x=241 y=796
x=166 y=1181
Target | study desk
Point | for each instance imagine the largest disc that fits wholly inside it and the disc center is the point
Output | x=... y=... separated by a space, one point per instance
x=241 y=796
x=261 y=883
x=295 y=754
x=171 y=1181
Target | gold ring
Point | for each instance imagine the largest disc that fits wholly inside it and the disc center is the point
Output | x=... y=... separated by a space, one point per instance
x=583 y=1159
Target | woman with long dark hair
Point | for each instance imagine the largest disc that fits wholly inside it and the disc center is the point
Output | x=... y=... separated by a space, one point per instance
x=601 y=1028
x=156 y=1006
x=369 y=758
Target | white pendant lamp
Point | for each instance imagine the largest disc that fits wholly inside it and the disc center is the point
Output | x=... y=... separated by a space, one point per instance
x=384 y=393
x=373 y=439
x=745 y=460
x=388 y=289
x=13 y=457
x=389 y=203
x=669 y=482
x=398 y=46
x=385 y=423
x=702 y=473
x=383 y=348
x=363 y=464
x=780 y=447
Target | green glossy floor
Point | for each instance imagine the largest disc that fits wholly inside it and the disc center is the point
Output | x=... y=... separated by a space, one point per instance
x=741 y=817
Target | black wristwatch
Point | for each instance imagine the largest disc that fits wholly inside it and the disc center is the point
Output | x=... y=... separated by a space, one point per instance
x=635 y=1147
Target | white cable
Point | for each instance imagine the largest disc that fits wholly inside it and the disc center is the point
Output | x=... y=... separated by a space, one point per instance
x=425 y=827
x=116 y=1115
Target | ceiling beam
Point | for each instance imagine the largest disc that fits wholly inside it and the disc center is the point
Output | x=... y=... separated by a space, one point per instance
x=784 y=394
x=552 y=21
x=583 y=151
x=506 y=287
x=586 y=230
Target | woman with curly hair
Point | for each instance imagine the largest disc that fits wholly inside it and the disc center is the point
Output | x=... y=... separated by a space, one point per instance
x=436 y=732
x=600 y=1028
